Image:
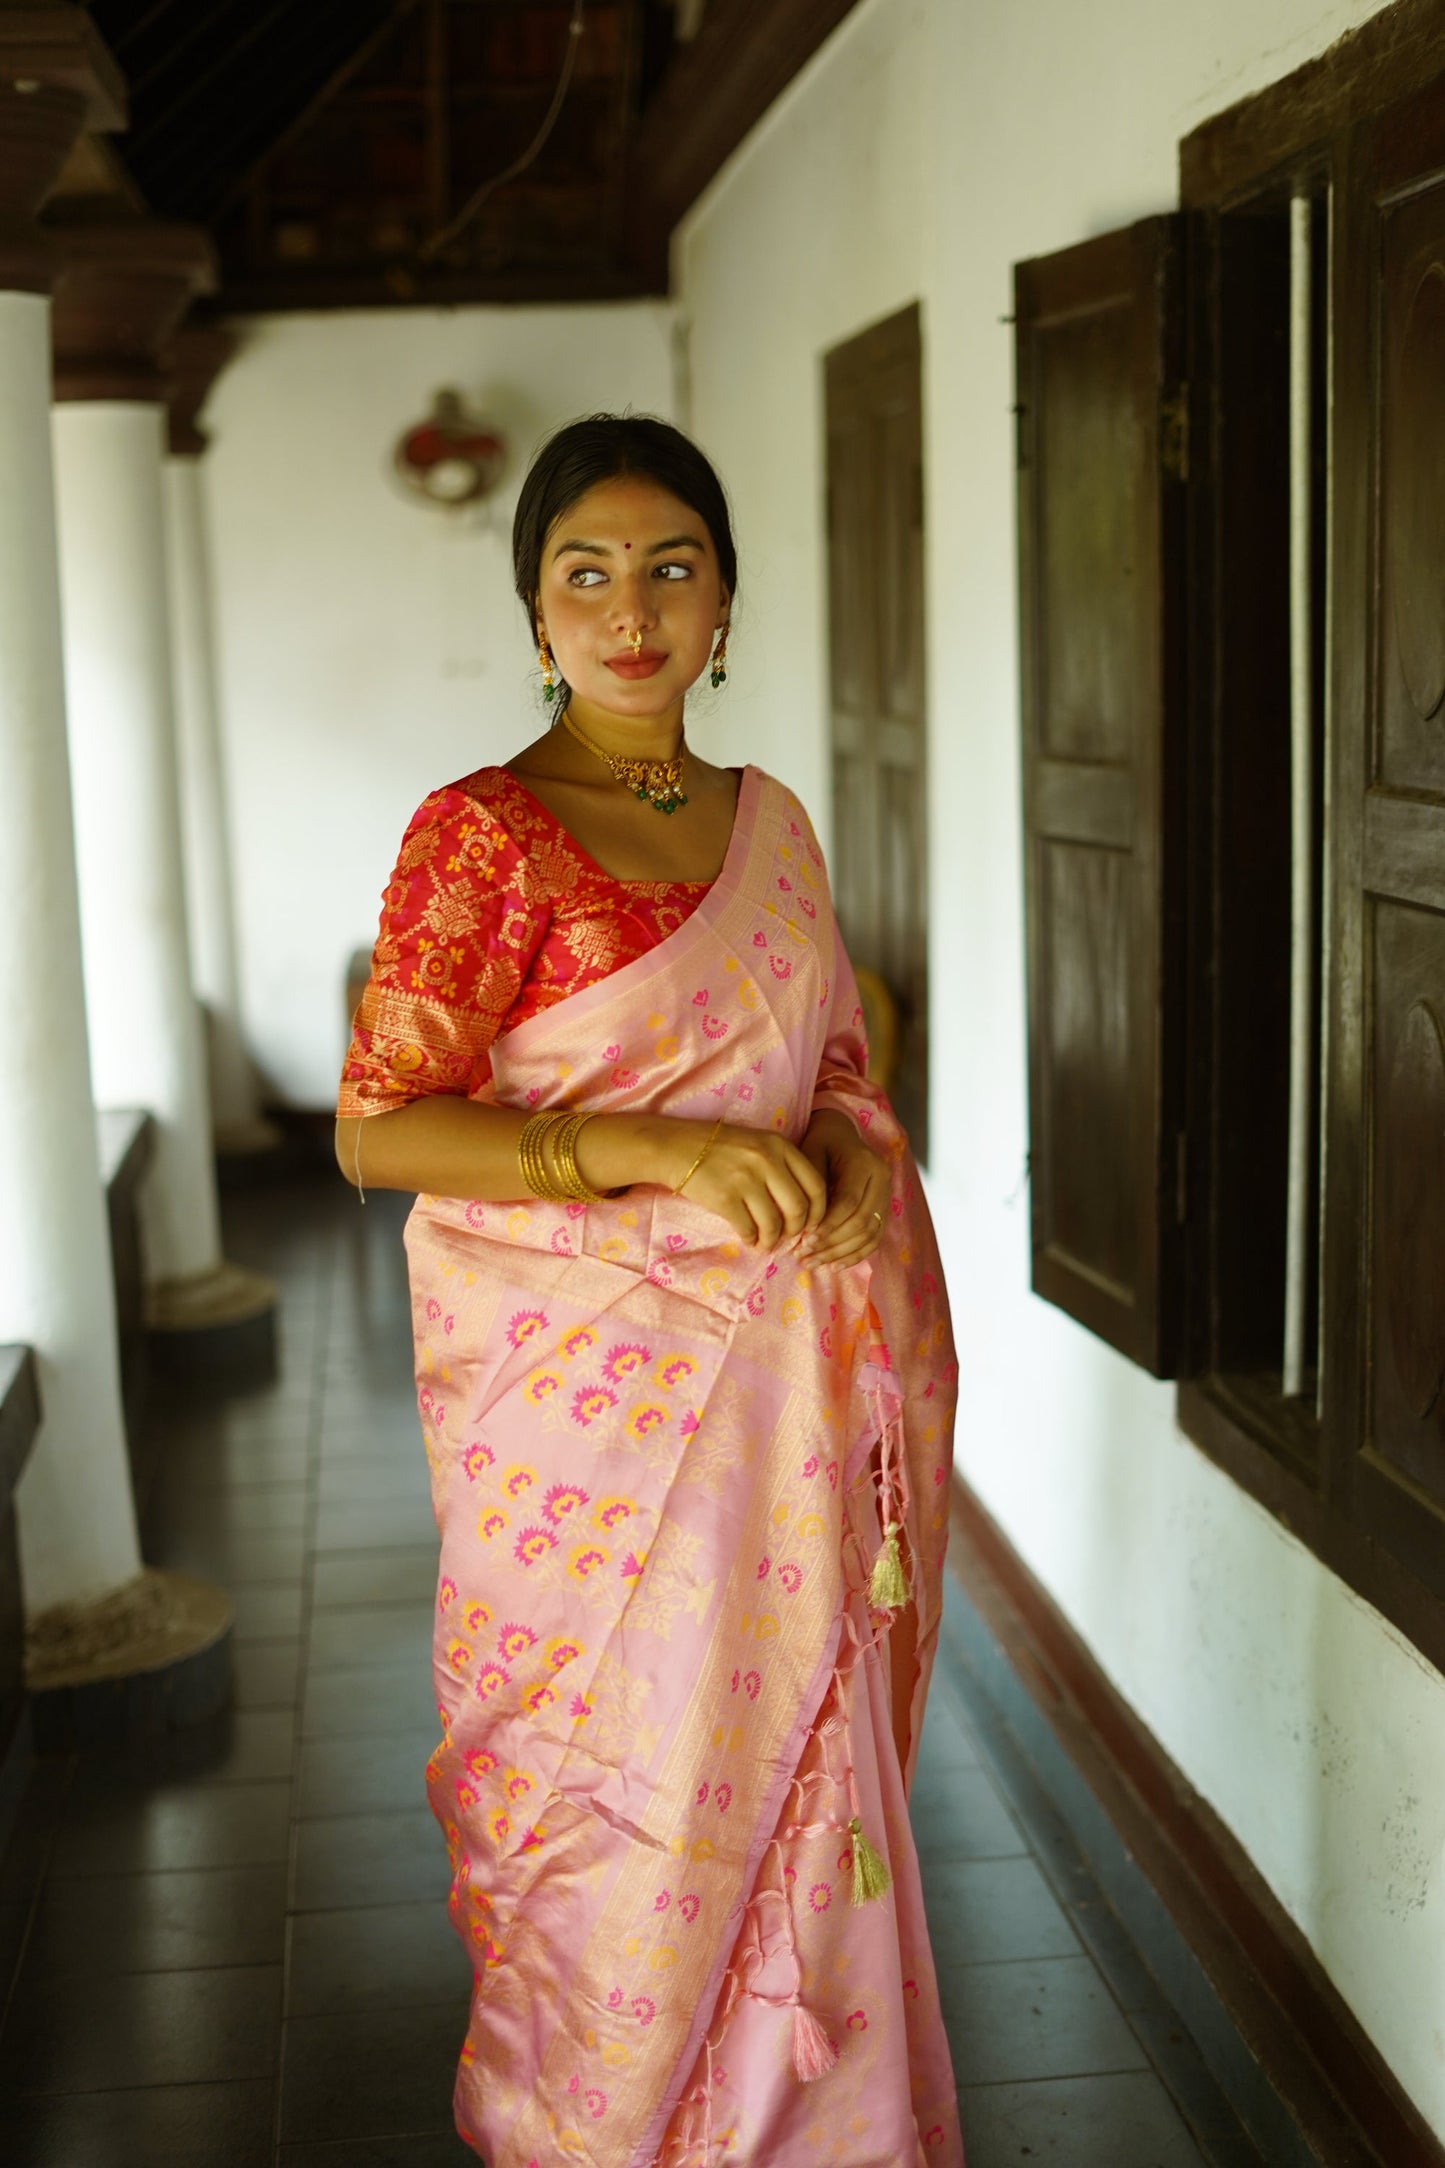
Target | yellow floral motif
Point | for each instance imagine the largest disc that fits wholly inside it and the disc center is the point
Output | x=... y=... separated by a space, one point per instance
x=646 y=1416
x=491 y=1524
x=578 y=1342
x=475 y=1617
x=541 y=1385
x=518 y=1479
x=672 y=1370
x=612 y=1510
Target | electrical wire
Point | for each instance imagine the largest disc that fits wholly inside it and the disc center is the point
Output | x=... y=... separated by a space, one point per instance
x=438 y=241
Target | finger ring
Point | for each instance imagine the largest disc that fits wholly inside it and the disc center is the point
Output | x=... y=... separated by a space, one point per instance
x=879 y=1217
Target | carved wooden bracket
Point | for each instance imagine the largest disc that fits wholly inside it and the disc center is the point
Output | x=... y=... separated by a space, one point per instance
x=123 y=289
x=56 y=78
x=198 y=354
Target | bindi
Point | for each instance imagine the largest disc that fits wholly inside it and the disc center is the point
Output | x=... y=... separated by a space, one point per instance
x=627 y=545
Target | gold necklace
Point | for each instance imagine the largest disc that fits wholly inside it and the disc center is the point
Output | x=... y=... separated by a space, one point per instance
x=658 y=781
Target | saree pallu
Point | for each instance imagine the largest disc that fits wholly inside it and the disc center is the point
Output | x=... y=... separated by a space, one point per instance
x=663 y=1467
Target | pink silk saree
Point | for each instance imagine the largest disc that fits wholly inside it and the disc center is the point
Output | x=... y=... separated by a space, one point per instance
x=662 y=1466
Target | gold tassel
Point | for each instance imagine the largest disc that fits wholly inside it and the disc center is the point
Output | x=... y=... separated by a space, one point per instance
x=888 y=1586
x=870 y=1872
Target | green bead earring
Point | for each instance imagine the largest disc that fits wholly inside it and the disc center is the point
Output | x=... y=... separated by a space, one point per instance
x=719 y=671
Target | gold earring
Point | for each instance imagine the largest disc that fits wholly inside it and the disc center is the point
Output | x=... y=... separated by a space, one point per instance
x=720 y=659
x=549 y=681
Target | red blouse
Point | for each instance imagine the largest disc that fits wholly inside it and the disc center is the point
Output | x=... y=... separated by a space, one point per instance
x=493 y=913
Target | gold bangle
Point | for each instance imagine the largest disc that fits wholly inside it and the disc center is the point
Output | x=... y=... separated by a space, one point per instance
x=702 y=1155
x=532 y=1156
x=565 y=1147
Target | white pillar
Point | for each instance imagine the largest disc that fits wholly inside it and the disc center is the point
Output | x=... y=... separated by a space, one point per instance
x=76 y=1515
x=145 y=1030
x=210 y=911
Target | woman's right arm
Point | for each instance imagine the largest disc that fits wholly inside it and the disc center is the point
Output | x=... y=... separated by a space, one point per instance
x=448 y=1146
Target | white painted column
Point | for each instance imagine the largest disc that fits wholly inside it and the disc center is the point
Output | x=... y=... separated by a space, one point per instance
x=145 y=1029
x=78 y=1536
x=210 y=908
x=77 y=1526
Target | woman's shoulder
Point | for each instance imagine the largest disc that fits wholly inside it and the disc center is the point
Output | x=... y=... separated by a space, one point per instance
x=480 y=823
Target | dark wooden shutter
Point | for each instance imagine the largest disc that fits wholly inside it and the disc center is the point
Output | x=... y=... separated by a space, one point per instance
x=1384 y=1328
x=878 y=714
x=1103 y=454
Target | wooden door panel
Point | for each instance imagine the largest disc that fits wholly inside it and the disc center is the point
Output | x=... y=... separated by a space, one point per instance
x=1086 y=440
x=1101 y=592
x=1406 y=1354
x=875 y=543
x=1086 y=907
x=1411 y=649
x=1386 y=1317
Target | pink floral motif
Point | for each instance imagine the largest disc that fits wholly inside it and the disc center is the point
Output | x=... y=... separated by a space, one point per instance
x=475 y=1458
x=644 y=2009
x=820 y=1896
x=480 y=1760
x=563 y=1499
x=910 y=1989
x=765 y=1567
x=753 y=1681
x=596 y=2102
x=715 y=1027
x=702 y=1792
x=578 y=1708
x=446 y=1592
x=622 y=1360
x=791 y=1577
x=811 y=1465
x=632 y=1566
x=614 y=1999
x=490 y=1679
x=662 y=1900
x=591 y=1402
x=524 y=1325
x=699 y=999
x=782 y=969
x=515 y=1640
x=723 y=1797
x=560 y=1653
x=857 y=2022
x=533 y=1543
x=689 y=1906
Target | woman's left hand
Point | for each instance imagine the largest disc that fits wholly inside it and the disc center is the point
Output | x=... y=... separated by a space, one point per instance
x=859 y=1187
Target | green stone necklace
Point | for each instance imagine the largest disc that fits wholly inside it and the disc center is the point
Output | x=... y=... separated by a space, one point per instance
x=658 y=781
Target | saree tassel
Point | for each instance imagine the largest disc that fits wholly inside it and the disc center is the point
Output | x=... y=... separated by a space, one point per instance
x=870 y=1870
x=814 y=2054
x=888 y=1587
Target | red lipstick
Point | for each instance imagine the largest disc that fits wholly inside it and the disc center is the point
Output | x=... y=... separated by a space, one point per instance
x=644 y=664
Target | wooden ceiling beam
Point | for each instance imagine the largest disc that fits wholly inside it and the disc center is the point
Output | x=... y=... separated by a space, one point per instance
x=721 y=83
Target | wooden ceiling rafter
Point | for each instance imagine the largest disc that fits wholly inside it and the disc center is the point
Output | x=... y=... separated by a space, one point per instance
x=322 y=142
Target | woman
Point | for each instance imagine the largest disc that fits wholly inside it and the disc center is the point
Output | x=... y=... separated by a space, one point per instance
x=686 y=1386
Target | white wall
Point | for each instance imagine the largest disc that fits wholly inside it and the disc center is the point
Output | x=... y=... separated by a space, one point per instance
x=371 y=647
x=930 y=145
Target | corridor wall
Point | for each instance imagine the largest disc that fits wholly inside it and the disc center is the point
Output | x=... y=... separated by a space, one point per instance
x=928 y=147
x=371 y=647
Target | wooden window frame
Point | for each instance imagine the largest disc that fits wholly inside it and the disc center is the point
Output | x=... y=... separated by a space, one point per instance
x=1298 y=129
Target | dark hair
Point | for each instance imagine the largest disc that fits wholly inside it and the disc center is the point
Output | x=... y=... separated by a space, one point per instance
x=603 y=448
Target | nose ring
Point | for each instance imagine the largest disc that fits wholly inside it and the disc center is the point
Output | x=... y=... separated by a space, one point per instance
x=635 y=642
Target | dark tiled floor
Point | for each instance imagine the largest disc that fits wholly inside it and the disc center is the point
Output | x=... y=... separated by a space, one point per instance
x=241 y=1958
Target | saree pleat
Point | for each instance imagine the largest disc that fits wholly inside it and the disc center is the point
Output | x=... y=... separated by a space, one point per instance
x=664 y=1468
